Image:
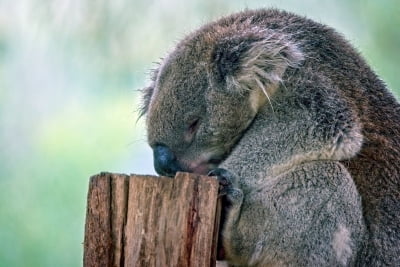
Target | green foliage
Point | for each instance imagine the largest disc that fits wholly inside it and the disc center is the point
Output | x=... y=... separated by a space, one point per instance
x=69 y=71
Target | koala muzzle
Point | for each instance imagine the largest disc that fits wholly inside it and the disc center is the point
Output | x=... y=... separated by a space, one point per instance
x=165 y=162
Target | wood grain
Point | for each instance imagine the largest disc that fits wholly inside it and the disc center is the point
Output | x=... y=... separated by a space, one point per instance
x=151 y=221
x=98 y=239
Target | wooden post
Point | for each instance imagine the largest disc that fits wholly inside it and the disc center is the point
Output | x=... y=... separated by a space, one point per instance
x=151 y=221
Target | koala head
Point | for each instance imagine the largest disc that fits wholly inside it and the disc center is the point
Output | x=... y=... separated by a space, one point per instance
x=207 y=91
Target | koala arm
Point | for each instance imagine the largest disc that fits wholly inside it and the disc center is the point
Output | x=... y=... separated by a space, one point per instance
x=307 y=216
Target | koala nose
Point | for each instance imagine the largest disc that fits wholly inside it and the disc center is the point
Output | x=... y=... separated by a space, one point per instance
x=165 y=162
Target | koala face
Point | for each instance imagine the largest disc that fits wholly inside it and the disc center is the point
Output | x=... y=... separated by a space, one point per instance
x=207 y=92
x=192 y=124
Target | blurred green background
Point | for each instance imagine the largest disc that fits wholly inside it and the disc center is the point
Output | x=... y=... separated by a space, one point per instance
x=69 y=74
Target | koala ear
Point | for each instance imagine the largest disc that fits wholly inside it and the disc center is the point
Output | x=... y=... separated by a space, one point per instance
x=147 y=93
x=254 y=59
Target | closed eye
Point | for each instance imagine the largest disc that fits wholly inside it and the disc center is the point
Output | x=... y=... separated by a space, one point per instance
x=193 y=126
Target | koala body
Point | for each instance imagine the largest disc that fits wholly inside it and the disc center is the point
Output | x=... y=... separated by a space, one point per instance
x=306 y=134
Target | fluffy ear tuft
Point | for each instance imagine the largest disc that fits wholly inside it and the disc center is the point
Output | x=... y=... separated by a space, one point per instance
x=253 y=59
x=147 y=93
x=228 y=55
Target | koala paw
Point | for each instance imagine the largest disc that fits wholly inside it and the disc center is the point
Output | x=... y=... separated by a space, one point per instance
x=225 y=178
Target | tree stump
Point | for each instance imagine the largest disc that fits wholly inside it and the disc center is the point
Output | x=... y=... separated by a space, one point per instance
x=151 y=221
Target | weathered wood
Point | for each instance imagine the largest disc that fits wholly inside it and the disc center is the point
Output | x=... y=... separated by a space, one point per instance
x=98 y=239
x=119 y=202
x=151 y=221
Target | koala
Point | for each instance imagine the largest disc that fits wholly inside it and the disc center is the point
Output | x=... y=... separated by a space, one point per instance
x=302 y=135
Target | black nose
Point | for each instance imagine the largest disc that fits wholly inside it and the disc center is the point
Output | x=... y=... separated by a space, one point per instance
x=165 y=162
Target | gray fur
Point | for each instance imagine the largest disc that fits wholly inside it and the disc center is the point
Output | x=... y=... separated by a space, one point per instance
x=307 y=131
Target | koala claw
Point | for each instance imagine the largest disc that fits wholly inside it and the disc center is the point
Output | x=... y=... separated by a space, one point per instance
x=224 y=178
x=226 y=188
